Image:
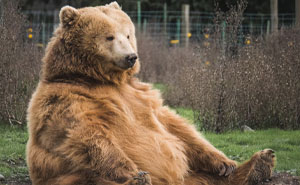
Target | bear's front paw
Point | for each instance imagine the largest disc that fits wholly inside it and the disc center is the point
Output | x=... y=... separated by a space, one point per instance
x=226 y=167
x=142 y=178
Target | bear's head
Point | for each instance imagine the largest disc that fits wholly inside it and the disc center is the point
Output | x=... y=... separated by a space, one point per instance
x=92 y=45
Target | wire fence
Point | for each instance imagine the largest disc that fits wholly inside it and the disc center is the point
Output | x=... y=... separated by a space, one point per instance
x=162 y=24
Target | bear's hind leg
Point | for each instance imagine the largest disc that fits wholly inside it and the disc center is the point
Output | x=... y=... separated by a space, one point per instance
x=203 y=178
x=142 y=178
x=79 y=178
x=257 y=169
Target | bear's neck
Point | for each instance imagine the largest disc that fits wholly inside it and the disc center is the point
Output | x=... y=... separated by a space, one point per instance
x=67 y=66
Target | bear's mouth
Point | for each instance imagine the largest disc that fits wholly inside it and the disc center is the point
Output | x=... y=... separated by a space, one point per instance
x=124 y=65
x=127 y=63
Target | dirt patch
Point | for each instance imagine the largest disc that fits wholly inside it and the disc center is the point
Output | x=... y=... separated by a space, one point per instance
x=283 y=179
x=16 y=182
x=277 y=179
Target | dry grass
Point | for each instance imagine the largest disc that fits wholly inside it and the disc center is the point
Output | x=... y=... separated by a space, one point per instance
x=20 y=62
x=232 y=84
x=227 y=83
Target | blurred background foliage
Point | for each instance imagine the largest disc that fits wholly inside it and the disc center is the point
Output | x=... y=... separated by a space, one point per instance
x=254 y=6
x=227 y=76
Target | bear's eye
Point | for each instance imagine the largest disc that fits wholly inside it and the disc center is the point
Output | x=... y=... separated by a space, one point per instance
x=127 y=36
x=110 y=38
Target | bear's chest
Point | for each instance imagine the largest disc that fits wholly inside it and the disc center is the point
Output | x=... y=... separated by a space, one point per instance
x=149 y=144
x=153 y=149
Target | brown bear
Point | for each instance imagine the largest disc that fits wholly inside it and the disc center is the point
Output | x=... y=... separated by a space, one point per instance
x=91 y=122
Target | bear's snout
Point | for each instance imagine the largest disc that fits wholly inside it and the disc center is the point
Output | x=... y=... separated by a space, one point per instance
x=131 y=59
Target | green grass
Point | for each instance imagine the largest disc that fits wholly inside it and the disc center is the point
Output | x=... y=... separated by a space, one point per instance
x=186 y=113
x=12 y=151
x=236 y=145
x=240 y=146
x=161 y=87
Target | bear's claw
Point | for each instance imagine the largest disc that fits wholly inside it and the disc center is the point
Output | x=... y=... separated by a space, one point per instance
x=142 y=178
x=226 y=170
x=142 y=173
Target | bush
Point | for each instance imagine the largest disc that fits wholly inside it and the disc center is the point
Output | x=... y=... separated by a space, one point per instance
x=232 y=84
x=20 y=62
x=259 y=87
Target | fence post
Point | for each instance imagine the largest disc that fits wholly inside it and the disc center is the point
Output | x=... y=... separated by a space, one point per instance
x=44 y=34
x=178 y=29
x=262 y=25
x=0 y=9
x=297 y=5
x=224 y=37
x=251 y=27
x=274 y=15
x=145 y=26
x=139 y=14
x=55 y=19
x=165 y=19
x=185 y=24
x=268 y=27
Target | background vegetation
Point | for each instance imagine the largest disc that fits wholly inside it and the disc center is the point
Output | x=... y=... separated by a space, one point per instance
x=229 y=83
x=20 y=63
x=226 y=82
x=254 y=6
x=258 y=85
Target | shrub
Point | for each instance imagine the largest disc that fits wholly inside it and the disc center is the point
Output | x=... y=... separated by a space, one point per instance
x=227 y=83
x=19 y=64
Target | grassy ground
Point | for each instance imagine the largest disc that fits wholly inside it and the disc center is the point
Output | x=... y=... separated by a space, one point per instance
x=12 y=151
x=237 y=145
x=240 y=146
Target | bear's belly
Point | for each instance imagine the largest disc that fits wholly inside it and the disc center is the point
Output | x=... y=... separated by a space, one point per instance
x=158 y=152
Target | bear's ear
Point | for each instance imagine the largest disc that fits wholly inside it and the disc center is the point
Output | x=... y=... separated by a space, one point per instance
x=114 y=5
x=68 y=16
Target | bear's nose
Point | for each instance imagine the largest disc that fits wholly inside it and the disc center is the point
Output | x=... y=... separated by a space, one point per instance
x=131 y=59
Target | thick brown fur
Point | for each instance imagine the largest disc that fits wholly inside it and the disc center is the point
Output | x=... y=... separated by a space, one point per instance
x=91 y=122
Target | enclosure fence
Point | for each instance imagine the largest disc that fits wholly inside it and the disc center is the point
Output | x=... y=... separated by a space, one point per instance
x=162 y=24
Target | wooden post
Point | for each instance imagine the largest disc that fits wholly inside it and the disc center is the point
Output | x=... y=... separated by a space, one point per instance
x=165 y=19
x=274 y=15
x=297 y=6
x=185 y=28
